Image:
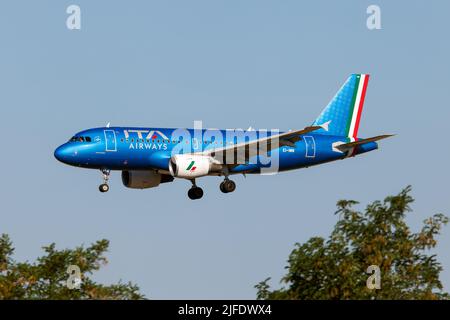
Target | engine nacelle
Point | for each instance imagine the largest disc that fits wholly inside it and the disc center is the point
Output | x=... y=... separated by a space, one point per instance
x=190 y=166
x=143 y=179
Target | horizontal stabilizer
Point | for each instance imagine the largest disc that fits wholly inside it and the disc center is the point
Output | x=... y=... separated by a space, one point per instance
x=346 y=146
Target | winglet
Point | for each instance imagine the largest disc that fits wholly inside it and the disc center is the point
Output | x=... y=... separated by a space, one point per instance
x=325 y=125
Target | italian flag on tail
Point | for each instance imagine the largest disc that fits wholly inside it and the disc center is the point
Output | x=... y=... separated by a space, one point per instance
x=357 y=105
x=342 y=115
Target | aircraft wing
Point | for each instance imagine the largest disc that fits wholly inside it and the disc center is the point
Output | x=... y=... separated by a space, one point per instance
x=347 y=146
x=242 y=152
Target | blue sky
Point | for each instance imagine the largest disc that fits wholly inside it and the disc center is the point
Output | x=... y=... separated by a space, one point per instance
x=265 y=64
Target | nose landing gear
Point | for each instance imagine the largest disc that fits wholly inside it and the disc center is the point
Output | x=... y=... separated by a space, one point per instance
x=104 y=187
x=195 y=192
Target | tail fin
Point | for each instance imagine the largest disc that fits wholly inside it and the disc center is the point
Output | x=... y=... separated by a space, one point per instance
x=344 y=111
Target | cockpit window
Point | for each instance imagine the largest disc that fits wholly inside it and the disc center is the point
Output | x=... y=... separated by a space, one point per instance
x=80 y=139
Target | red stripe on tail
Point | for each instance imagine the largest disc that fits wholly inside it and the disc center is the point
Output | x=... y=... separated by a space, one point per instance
x=360 y=107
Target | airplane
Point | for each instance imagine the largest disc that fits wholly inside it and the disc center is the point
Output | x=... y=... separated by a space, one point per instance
x=149 y=157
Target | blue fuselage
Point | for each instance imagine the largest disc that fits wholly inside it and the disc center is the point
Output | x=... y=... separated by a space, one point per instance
x=126 y=148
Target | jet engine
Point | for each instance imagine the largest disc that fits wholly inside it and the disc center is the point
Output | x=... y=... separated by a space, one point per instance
x=143 y=179
x=190 y=166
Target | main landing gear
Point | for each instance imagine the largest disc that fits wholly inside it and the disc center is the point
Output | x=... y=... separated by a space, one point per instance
x=104 y=187
x=195 y=192
x=227 y=186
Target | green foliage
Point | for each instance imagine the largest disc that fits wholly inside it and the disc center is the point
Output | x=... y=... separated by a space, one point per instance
x=47 y=277
x=336 y=268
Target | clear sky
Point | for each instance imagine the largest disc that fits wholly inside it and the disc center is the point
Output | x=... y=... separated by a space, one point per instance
x=265 y=64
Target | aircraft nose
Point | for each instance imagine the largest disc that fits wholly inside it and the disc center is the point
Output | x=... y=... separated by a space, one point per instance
x=62 y=153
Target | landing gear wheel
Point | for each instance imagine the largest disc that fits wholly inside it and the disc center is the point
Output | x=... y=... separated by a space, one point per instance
x=221 y=187
x=195 y=193
x=227 y=186
x=103 y=187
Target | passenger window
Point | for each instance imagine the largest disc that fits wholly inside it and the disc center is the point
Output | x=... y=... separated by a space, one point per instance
x=88 y=139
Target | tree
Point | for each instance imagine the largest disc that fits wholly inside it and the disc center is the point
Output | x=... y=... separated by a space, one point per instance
x=336 y=268
x=47 y=278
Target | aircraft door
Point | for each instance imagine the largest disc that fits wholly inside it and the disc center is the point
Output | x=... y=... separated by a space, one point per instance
x=110 y=140
x=310 y=146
